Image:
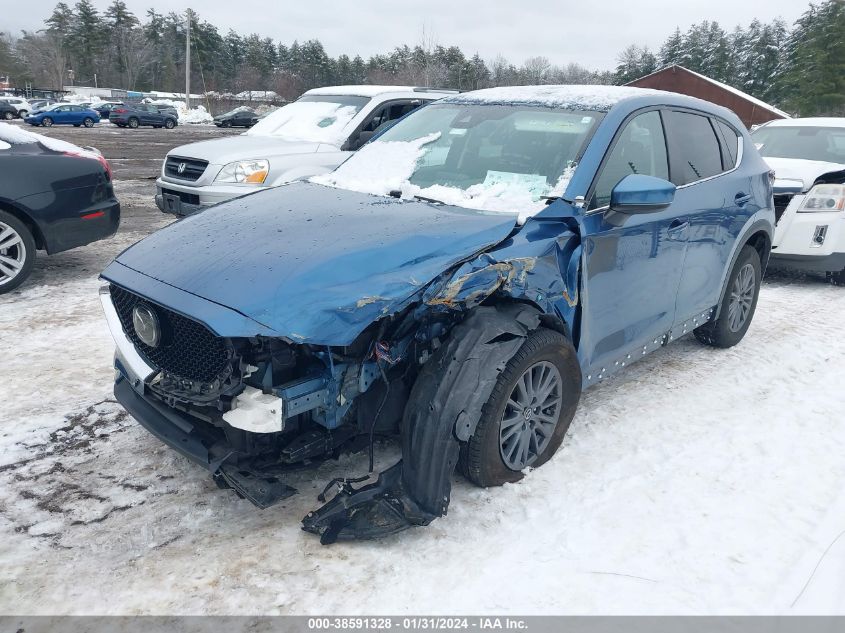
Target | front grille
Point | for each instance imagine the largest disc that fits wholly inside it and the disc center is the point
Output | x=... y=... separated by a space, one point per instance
x=192 y=169
x=187 y=198
x=188 y=350
x=781 y=202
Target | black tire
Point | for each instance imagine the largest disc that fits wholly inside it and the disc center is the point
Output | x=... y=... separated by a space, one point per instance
x=22 y=113
x=47 y=122
x=88 y=122
x=837 y=278
x=133 y=123
x=27 y=243
x=169 y=124
x=722 y=332
x=8 y=116
x=481 y=458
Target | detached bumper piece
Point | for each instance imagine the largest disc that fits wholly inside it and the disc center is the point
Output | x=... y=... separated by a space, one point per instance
x=370 y=512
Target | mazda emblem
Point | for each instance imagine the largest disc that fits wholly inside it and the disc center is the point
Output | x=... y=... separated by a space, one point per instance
x=181 y=168
x=146 y=324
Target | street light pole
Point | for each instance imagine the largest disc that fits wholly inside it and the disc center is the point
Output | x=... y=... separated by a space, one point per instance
x=188 y=61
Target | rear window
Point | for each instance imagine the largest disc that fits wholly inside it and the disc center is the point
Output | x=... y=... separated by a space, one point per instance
x=695 y=148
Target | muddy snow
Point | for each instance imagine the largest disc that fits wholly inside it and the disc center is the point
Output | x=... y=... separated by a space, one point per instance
x=698 y=482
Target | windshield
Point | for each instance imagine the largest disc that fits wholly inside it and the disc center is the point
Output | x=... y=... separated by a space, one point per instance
x=313 y=119
x=800 y=141
x=494 y=157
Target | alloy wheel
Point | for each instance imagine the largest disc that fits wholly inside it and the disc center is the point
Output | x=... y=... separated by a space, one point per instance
x=531 y=415
x=742 y=297
x=12 y=254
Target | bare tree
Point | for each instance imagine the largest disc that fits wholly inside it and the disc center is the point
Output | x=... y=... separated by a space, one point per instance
x=136 y=54
x=45 y=52
x=536 y=69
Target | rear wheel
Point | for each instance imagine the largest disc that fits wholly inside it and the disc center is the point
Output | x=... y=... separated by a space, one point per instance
x=532 y=405
x=47 y=122
x=22 y=113
x=134 y=123
x=738 y=304
x=838 y=278
x=8 y=116
x=88 y=122
x=169 y=124
x=17 y=252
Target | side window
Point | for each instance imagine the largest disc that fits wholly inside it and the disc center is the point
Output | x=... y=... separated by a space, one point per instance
x=730 y=141
x=639 y=149
x=390 y=112
x=695 y=148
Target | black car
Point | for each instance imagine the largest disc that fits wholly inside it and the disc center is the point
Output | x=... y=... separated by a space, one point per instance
x=139 y=114
x=240 y=117
x=7 y=111
x=54 y=196
x=104 y=108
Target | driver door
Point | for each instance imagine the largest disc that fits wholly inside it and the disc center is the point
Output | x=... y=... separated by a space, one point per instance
x=631 y=263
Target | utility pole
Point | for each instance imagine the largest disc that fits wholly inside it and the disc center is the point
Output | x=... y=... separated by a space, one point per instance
x=188 y=62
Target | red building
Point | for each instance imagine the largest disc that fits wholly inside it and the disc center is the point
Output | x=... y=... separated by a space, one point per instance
x=676 y=78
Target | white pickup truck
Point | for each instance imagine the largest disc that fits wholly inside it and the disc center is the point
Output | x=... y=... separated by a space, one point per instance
x=310 y=136
x=808 y=158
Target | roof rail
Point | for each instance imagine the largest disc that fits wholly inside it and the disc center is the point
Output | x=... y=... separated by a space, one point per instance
x=429 y=89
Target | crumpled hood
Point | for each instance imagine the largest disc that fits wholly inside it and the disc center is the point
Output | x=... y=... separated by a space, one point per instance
x=242 y=147
x=313 y=263
x=807 y=171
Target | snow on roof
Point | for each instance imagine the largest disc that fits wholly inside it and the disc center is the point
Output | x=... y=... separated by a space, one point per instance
x=368 y=91
x=587 y=97
x=16 y=136
x=808 y=122
x=736 y=91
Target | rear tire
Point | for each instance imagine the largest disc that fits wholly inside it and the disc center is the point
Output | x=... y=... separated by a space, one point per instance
x=134 y=123
x=511 y=437
x=838 y=278
x=22 y=113
x=169 y=124
x=738 y=305
x=88 y=122
x=17 y=252
x=47 y=122
x=8 y=116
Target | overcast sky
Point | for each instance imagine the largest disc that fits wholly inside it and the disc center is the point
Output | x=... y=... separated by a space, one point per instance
x=591 y=32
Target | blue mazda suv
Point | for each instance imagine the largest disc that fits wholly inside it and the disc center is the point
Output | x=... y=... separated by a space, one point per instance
x=455 y=284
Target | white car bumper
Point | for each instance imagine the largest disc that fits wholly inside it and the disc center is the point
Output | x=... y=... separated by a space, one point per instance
x=181 y=199
x=809 y=241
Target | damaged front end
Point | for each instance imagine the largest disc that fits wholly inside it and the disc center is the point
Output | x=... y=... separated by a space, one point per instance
x=254 y=409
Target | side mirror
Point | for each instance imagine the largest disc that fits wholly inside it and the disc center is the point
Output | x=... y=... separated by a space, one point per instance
x=641 y=194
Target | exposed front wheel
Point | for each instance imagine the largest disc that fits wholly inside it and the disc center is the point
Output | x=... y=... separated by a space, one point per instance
x=133 y=123
x=88 y=122
x=47 y=122
x=169 y=124
x=17 y=252
x=8 y=116
x=837 y=278
x=22 y=113
x=738 y=304
x=529 y=411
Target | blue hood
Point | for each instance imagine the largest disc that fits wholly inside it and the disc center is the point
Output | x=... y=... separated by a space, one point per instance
x=311 y=263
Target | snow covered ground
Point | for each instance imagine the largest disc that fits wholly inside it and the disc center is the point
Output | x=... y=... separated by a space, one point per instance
x=698 y=482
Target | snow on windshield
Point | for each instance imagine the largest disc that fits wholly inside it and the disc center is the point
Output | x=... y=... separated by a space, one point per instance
x=16 y=136
x=493 y=158
x=309 y=121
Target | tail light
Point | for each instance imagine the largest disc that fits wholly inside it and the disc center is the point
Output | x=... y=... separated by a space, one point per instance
x=98 y=157
x=120 y=110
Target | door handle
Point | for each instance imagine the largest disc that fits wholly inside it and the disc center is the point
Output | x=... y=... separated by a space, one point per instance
x=741 y=198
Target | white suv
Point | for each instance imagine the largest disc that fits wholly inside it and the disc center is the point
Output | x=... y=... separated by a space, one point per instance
x=808 y=157
x=310 y=136
x=21 y=105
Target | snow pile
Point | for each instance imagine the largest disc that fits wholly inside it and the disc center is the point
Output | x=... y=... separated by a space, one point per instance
x=599 y=98
x=14 y=135
x=197 y=115
x=309 y=121
x=383 y=167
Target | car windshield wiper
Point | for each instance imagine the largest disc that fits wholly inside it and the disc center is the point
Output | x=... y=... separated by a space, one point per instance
x=398 y=194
